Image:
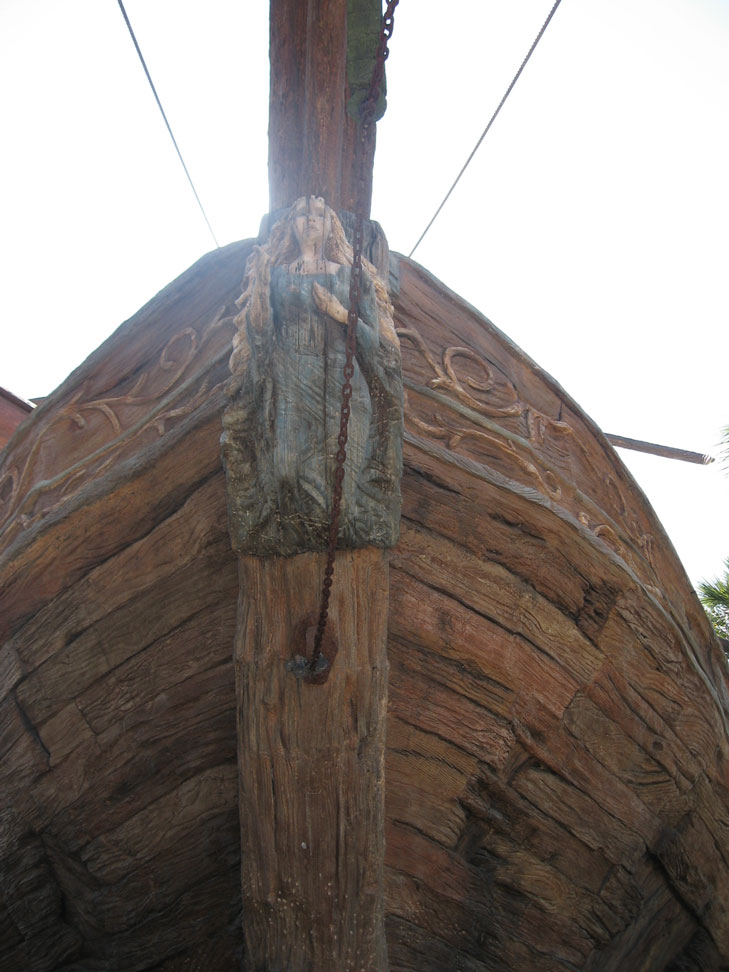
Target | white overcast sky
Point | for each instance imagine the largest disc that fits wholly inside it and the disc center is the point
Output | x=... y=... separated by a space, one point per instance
x=592 y=226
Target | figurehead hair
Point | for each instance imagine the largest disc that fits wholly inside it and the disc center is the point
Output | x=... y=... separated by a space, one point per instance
x=282 y=249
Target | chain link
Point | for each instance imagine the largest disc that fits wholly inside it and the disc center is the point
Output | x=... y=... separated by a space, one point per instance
x=367 y=121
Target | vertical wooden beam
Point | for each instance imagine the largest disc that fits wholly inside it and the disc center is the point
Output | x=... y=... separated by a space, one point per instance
x=311 y=761
x=312 y=139
x=311 y=752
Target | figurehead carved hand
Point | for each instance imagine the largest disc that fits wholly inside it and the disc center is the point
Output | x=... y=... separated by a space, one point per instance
x=328 y=304
x=280 y=428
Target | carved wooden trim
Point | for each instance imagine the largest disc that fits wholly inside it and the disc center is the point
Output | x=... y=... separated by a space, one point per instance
x=43 y=476
x=456 y=408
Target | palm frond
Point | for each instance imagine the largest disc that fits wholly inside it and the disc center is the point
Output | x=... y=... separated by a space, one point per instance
x=714 y=595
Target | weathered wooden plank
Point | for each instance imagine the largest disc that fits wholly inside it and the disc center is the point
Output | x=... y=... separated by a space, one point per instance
x=123 y=632
x=493 y=808
x=467 y=905
x=175 y=541
x=628 y=762
x=699 y=955
x=11 y=670
x=651 y=922
x=101 y=908
x=412 y=949
x=615 y=694
x=705 y=725
x=34 y=904
x=491 y=523
x=435 y=708
x=490 y=590
x=189 y=649
x=556 y=748
x=169 y=739
x=579 y=812
x=64 y=732
x=436 y=898
x=12 y=724
x=424 y=793
x=488 y=664
x=25 y=762
x=93 y=530
x=311 y=761
x=205 y=910
x=713 y=808
x=160 y=824
x=220 y=951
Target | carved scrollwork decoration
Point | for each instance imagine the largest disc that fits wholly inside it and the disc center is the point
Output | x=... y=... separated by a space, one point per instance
x=538 y=424
x=436 y=431
x=160 y=422
x=647 y=542
x=544 y=477
x=446 y=378
x=604 y=532
x=531 y=448
x=611 y=538
x=617 y=494
x=608 y=535
x=9 y=485
x=483 y=386
x=134 y=397
x=454 y=437
x=121 y=412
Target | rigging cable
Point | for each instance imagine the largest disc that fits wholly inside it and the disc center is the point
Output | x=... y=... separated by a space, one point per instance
x=164 y=116
x=491 y=121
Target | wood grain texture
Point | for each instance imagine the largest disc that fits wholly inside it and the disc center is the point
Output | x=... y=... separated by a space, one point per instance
x=312 y=139
x=557 y=761
x=122 y=442
x=13 y=411
x=118 y=611
x=311 y=747
x=611 y=790
x=282 y=429
x=311 y=761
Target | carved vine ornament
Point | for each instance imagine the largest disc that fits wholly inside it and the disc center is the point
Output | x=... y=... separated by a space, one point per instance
x=281 y=423
x=40 y=476
x=478 y=412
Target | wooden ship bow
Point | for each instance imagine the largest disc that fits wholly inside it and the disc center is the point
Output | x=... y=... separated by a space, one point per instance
x=499 y=742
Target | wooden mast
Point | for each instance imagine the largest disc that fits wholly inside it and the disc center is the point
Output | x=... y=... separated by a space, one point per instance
x=310 y=754
x=311 y=136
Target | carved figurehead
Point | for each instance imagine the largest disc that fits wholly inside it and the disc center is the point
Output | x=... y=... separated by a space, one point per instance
x=281 y=426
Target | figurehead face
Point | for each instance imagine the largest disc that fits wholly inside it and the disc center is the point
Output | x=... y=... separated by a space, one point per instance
x=308 y=230
x=312 y=224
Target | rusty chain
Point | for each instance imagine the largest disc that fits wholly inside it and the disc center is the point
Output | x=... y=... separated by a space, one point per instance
x=367 y=120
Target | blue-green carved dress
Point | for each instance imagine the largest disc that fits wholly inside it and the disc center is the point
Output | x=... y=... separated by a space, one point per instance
x=281 y=430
